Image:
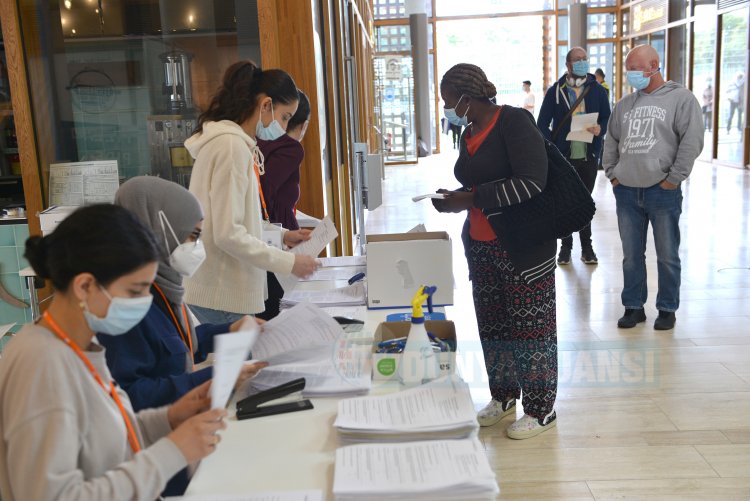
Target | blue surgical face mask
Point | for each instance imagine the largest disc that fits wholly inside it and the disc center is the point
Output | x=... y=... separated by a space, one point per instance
x=272 y=132
x=580 y=68
x=452 y=116
x=122 y=315
x=638 y=79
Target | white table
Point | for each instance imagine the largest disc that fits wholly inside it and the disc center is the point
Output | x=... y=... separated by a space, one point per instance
x=293 y=451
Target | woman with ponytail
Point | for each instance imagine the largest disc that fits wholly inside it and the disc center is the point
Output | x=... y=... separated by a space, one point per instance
x=68 y=433
x=251 y=104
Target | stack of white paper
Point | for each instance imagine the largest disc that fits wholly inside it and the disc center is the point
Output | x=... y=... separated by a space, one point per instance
x=434 y=470
x=314 y=495
x=439 y=409
x=343 y=261
x=299 y=335
x=344 y=371
x=305 y=342
x=351 y=295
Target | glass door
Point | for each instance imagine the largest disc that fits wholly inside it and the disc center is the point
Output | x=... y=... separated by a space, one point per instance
x=731 y=104
x=704 y=50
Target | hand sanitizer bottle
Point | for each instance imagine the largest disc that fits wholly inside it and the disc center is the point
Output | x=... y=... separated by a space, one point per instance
x=418 y=361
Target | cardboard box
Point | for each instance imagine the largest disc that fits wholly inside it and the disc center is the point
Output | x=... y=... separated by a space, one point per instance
x=385 y=365
x=50 y=218
x=398 y=264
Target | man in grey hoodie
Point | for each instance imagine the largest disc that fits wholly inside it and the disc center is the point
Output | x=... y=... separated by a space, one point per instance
x=655 y=134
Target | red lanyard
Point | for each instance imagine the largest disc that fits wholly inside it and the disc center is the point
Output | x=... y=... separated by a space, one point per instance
x=187 y=339
x=260 y=190
x=132 y=438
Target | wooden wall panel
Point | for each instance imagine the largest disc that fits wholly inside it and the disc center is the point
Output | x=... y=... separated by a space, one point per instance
x=24 y=121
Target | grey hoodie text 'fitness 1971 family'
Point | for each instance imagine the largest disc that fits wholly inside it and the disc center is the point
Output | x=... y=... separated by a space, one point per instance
x=654 y=137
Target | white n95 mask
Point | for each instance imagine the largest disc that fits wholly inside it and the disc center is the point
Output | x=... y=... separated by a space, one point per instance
x=188 y=256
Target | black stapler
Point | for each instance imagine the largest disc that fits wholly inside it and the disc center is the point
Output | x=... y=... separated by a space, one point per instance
x=250 y=407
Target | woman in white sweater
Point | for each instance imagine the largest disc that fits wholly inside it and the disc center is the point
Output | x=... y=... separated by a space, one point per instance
x=225 y=178
x=67 y=433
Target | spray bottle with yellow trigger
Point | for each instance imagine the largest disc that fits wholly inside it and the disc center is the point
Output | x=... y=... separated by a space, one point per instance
x=418 y=361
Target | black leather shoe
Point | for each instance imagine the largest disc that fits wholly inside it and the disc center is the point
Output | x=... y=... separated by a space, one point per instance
x=631 y=318
x=665 y=321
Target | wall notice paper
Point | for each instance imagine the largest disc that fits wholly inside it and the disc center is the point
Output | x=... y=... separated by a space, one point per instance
x=431 y=470
x=343 y=261
x=297 y=335
x=230 y=352
x=439 y=409
x=258 y=496
x=427 y=195
x=351 y=295
x=322 y=235
x=578 y=126
x=83 y=183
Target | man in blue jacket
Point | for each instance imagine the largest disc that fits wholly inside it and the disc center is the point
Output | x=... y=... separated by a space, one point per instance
x=554 y=121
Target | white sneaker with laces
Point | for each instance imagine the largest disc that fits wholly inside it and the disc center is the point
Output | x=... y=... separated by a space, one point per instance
x=494 y=411
x=529 y=426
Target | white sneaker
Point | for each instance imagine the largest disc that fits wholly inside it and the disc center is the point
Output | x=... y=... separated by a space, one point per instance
x=528 y=426
x=495 y=411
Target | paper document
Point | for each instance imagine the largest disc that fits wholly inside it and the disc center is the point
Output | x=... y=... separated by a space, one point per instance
x=4 y=329
x=440 y=409
x=343 y=261
x=578 y=126
x=355 y=312
x=258 y=496
x=295 y=334
x=351 y=295
x=305 y=220
x=420 y=228
x=83 y=183
x=427 y=195
x=322 y=235
x=434 y=470
x=345 y=370
x=230 y=352
x=328 y=274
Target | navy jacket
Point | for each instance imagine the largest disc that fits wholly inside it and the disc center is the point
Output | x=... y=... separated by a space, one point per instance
x=149 y=361
x=557 y=103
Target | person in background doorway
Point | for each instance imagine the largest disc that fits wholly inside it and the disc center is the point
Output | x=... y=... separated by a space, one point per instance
x=250 y=104
x=559 y=106
x=456 y=131
x=655 y=136
x=280 y=186
x=67 y=431
x=736 y=96
x=529 y=101
x=708 y=105
x=600 y=78
x=503 y=161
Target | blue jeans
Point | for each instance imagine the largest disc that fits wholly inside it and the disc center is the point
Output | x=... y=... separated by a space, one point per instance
x=636 y=208
x=209 y=316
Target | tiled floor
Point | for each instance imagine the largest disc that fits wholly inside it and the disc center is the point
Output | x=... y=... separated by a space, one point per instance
x=642 y=414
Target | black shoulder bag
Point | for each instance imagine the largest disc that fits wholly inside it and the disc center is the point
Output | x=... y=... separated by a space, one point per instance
x=563 y=207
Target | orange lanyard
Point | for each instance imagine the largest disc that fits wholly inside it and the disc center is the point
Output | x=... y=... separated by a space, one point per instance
x=260 y=190
x=132 y=438
x=187 y=339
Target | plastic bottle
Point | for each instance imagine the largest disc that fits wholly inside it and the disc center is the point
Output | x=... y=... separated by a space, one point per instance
x=418 y=361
